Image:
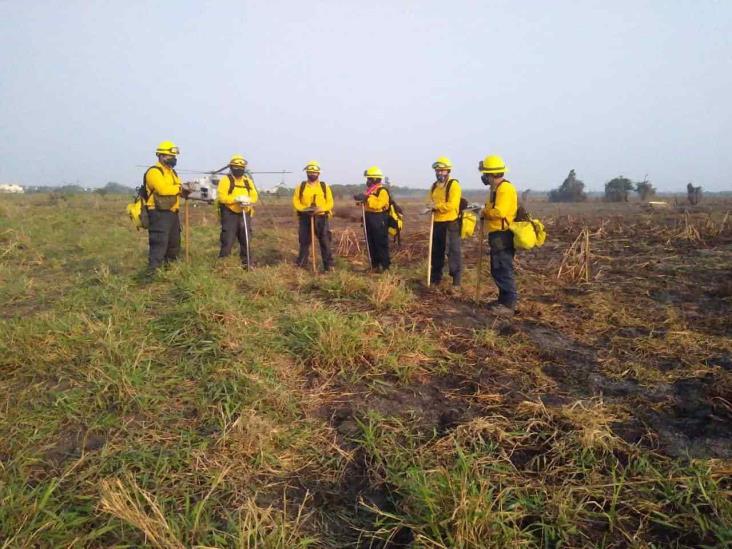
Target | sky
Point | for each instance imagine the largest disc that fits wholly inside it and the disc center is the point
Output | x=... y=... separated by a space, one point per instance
x=641 y=88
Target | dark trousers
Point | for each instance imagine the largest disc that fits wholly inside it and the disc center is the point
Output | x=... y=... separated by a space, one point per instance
x=377 y=234
x=322 y=233
x=502 y=252
x=446 y=235
x=163 y=237
x=233 y=229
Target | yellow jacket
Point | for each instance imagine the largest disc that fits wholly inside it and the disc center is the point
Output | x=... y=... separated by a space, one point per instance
x=378 y=200
x=243 y=186
x=317 y=194
x=446 y=207
x=501 y=206
x=163 y=181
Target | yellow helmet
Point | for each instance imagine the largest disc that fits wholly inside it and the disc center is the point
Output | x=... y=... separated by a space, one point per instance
x=167 y=147
x=492 y=164
x=373 y=173
x=442 y=163
x=238 y=160
x=312 y=166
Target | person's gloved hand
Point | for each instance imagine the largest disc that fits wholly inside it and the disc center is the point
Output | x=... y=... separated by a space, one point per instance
x=185 y=192
x=359 y=197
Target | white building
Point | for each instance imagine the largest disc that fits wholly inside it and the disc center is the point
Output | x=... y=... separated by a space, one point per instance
x=9 y=188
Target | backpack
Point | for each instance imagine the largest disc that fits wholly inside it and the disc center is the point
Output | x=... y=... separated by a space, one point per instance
x=528 y=233
x=247 y=186
x=137 y=210
x=395 y=220
x=466 y=231
x=302 y=189
x=463 y=202
x=468 y=221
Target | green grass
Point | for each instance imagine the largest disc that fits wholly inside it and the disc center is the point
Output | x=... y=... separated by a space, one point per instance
x=197 y=408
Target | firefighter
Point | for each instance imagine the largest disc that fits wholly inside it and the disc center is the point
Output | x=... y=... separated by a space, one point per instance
x=237 y=195
x=445 y=195
x=375 y=202
x=162 y=187
x=314 y=199
x=500 y=211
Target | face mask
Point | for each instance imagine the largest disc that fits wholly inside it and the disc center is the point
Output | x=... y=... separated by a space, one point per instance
x=486 y=179
x=237 y=172
x=312 y=177
x=441 y=177
x=170 y=161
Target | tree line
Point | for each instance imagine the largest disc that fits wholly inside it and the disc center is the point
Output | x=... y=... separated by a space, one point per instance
x=617 y=189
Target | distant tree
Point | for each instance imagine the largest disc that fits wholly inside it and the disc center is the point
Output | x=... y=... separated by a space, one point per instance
x=616 y=190
x=571 y=190
x=694 y=194
x=113 y=187
x=69 y=189
x=525 y=196
x=645 y=189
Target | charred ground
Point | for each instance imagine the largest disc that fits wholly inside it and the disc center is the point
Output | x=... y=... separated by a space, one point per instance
x=211 y=406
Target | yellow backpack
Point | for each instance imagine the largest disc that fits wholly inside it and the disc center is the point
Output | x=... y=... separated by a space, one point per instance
x=396 y=216
x=528 y=233
x=138 y=214
x=468 y=223
x=137 y=210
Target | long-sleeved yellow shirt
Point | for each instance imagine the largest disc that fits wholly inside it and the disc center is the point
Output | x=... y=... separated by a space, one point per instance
x=163 y=181
x=243 y=186
x=446 y=207
x=378 y=200
x=313 y=195
x=501 y=206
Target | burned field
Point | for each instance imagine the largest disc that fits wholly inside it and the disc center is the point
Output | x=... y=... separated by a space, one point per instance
x=275 y=408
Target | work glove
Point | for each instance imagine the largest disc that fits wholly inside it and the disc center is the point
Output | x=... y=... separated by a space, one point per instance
x=185 y=192
x=359 y=197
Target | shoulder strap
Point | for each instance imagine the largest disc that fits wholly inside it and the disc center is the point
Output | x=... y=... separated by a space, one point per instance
x=302 y=189
x=494 y=193
x=447 y=188
x=387 y=194
x=144 y=192
x=232 y=183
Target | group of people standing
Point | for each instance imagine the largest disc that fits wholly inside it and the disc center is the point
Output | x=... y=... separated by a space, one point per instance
x=313 y=202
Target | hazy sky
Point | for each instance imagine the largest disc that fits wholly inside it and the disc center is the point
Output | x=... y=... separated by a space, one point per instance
x=88 y=89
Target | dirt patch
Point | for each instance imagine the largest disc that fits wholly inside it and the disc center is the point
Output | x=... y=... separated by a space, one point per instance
x=690 y=417
x=71 y=443
x=430 y=406
x=696 y=421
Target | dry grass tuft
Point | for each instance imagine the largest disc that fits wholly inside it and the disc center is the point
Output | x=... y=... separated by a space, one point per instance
x=130 y=503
